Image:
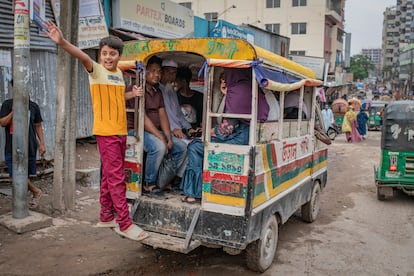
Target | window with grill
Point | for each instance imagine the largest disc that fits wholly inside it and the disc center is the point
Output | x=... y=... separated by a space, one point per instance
x=211 y=16
x=272 y=4
x=274 y=28
x=297 y=53
x=298 y=28
x=186 y=4
x=298 y=3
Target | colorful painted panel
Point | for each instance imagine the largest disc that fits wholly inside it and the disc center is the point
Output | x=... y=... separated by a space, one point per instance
x=220 y=48
x=275 y=180
x=133 y=176
x=226 y=162
x=223 y=188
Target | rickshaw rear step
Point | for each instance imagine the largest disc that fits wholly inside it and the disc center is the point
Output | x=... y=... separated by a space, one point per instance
x=176 y=244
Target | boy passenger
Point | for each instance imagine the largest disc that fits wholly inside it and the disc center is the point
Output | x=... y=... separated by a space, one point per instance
x=108 y=95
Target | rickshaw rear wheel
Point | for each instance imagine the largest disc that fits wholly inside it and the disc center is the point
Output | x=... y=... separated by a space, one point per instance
x=331 y=133
x=310 y=210
x=260 y=253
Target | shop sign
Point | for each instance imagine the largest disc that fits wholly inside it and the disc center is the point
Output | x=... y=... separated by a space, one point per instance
x=157 y=18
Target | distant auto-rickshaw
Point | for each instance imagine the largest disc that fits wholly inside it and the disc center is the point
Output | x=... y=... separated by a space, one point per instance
x=396 y=168
x=375 y=115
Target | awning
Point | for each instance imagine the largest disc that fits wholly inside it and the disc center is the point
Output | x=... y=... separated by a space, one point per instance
x=280 y=81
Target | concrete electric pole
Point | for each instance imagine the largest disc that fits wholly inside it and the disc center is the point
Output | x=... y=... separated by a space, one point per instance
x=21 y=78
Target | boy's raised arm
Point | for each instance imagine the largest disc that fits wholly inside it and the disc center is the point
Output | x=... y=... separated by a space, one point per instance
x=56 y=35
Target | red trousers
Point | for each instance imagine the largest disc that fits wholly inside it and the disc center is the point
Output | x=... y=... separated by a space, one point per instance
x=113 y=189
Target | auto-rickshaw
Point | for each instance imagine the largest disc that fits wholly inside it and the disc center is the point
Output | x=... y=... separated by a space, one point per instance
x=247 y=190
x=375 y=115
x=396 y=168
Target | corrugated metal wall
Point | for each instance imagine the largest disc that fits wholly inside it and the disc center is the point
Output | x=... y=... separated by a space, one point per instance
x=43 y=80
x=37 y=41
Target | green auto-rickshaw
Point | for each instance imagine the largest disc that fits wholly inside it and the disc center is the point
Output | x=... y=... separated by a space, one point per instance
x=396 y=168
x=374 y=117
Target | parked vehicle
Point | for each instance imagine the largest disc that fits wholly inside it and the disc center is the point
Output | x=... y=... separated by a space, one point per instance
x=248 y=190
x=396 y=167
x=374 y=117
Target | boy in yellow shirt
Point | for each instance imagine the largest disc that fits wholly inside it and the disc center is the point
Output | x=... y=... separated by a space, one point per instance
x=108 y=95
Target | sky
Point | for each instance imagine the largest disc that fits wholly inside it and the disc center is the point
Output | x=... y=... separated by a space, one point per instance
x=363 y=19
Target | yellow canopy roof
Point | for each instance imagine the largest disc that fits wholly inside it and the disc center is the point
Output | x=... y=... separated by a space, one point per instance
x=209 y=48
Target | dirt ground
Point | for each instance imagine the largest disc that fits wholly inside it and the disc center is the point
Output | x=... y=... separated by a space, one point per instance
x=355 y=234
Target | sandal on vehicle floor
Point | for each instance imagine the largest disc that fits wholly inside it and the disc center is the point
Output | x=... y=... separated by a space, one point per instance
x=154 y=193
x=189 y=200
x=133 y=232
x=34 y=202
x=106 y=224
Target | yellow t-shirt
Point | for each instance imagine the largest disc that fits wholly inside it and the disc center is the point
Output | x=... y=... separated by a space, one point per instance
x=108 y=101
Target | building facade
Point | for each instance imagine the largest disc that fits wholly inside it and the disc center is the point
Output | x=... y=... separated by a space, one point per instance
x=310 y=33
x=375 y=55
x=405 y=22
x=390 y=42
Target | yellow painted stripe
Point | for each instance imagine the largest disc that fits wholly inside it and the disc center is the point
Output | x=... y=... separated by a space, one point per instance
x=321 y=165
x=286 y=185
x=258 y=200
x=132 y=186
x=292 y=181
x=226 y=200
x=268 y=179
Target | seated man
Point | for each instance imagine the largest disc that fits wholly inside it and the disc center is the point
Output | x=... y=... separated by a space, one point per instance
x=190 y=100
x=158 y=140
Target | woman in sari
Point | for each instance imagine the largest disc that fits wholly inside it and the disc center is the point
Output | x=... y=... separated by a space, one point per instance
x=349 y=126
x=362 y=119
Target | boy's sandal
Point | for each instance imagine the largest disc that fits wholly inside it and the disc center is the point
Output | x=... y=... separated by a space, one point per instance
x=106 y=224
x=133 y=232
x=34 y=202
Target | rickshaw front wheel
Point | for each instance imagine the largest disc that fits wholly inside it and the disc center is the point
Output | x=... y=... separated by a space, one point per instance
x=310 y=210
x=260 y=253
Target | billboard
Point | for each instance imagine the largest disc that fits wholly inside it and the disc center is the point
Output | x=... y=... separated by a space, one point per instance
x=315 y=63
x=92 y=26
x=157 y=18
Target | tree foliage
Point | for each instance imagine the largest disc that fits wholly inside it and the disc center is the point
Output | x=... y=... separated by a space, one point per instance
x=360 y=66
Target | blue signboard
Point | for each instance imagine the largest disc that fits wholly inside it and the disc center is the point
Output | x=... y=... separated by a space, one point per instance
x=226 y=29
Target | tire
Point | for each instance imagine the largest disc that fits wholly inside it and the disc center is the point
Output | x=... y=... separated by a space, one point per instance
x=332 y=133
x=260 y=253
x=310 y=209
x=380 y=195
